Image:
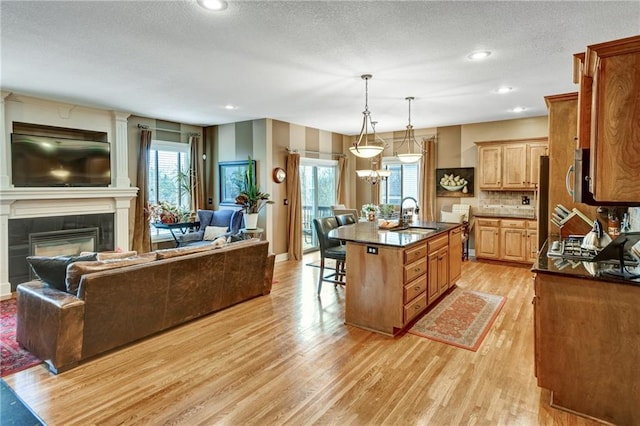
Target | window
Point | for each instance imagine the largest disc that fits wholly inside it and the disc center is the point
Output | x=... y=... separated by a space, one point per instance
x=168 y=164
x=403 y=181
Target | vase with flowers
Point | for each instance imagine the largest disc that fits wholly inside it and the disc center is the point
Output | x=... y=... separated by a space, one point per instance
x=251 y=198
x=370 y=211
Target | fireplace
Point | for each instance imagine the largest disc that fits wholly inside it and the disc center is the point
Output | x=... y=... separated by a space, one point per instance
x=62 y=243
x=55 y=236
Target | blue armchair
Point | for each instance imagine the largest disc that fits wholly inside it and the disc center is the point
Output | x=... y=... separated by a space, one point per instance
x=232 y=219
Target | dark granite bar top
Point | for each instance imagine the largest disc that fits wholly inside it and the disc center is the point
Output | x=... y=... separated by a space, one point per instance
x=369 y=233
x=580 y=269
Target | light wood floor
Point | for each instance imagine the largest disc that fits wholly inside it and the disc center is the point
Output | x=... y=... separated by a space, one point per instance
x=287 y=358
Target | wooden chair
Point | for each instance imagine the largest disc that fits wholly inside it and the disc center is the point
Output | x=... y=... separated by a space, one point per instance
x=330 y=249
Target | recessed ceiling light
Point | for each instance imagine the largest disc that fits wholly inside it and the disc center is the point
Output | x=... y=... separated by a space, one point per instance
x=481 y=54
x=229 y=106
x=216 y=5
x=504 y=89
x=518 y=109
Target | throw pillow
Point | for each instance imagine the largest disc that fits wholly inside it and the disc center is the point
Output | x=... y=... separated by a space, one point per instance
x=53 y=270
x=106 y=255
x=213 y=232
x=76 y=270
x=451 y=217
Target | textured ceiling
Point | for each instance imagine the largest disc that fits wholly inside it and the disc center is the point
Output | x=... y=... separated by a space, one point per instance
x=301 y=61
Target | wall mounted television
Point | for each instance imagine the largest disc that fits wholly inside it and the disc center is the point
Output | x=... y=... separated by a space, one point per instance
x=41 y=161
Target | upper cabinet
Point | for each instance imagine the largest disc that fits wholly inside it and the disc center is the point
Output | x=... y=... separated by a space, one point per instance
x=510 y=165
x=608 y=75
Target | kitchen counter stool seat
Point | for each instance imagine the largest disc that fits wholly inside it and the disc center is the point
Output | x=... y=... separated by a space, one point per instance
x=330 y=249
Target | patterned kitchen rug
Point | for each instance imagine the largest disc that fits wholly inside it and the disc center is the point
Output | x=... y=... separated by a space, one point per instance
x=463 y=319
x=14 y=358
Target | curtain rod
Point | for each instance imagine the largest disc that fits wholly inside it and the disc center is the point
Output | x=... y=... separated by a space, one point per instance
x=145 y=127
x=337 y=154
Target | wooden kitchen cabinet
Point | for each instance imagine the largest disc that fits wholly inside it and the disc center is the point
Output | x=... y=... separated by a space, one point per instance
x=610 y=85
x=455 y=254
x=487 y=238
x=563 y=127
x=490 y=170
x=510 y=165
x=438 y=260
x=389 y=286
x=513 y=237
x=586 y=346
x=511 y=240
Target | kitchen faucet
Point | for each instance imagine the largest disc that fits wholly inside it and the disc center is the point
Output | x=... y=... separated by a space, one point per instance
x=403 y=220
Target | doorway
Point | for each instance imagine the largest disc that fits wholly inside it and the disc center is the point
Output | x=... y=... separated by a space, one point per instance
x=318 y=188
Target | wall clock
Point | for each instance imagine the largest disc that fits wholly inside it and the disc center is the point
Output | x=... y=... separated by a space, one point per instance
x=279 y=175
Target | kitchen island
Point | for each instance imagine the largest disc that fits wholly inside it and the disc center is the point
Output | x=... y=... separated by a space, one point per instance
x=587 y=339
x=394 y=275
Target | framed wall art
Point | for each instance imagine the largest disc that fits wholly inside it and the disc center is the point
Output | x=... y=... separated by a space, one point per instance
x=231 y=177
x=455 y=182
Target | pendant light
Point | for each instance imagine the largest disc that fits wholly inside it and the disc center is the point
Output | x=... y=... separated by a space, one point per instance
x=413 y=151
x=367 y=145
x=373 y=175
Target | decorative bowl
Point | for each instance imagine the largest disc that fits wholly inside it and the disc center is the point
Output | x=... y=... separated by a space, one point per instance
x=453 y=188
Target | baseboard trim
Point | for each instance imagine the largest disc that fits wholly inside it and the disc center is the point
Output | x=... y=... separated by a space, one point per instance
x=5 y=290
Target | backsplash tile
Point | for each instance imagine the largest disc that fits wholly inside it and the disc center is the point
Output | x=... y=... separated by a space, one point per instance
x=506 y=203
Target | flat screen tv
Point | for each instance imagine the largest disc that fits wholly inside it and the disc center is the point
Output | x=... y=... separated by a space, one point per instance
x=40 y=161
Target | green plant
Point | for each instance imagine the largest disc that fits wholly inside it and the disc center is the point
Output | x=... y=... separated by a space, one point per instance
x=387 y=210
x=166 y=212
x=251 y=198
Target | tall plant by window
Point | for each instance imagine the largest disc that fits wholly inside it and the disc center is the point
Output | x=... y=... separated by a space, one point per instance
x=251 y=197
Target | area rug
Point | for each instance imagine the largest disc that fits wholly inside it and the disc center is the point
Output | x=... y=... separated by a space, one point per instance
x=14 y=358
x=463 y=318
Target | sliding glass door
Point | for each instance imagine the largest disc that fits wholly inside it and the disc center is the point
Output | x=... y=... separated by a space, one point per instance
x=318 y=187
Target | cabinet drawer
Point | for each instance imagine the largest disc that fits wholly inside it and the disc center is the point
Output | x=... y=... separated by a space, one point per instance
x=532 y=224
x=438 y=243
x=414 y=270
x=415 y=253
x=415 y=307
x=488 y=222
x=414 y=288
x=511 y=223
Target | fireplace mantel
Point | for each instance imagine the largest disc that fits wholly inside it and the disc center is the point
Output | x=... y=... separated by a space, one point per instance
x=20 y=203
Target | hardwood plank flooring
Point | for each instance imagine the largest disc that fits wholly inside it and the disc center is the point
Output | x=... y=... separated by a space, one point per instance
x=288 y=358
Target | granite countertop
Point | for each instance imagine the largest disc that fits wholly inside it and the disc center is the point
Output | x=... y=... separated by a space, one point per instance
x=369 y=233
x=580 y=269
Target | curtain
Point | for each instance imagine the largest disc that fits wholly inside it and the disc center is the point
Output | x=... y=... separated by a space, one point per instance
x=341 y=193
x=196 y=174
x=294 y=213
x=428 y=177
x=141 y=232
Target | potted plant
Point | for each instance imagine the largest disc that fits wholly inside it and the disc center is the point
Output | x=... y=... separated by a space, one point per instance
x=251 y=198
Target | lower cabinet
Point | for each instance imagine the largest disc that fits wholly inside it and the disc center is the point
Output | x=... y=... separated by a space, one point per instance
x=438 y=266
x=455 y=260
x=586 y=346
x=513 y=240
x=387 y=287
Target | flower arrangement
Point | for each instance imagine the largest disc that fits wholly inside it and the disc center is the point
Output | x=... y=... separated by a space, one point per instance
x=166 y=212
x=251 y=198
x=370 y=208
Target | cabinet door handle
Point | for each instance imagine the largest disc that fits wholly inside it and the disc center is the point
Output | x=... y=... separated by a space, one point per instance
x=418 y=288
x=416 y=307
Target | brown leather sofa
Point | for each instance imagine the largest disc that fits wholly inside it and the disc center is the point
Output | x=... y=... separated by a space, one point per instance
x=119 y=306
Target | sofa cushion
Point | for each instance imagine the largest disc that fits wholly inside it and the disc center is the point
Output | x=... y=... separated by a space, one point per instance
x=53 y=270
x=213 y=232
x=106 y=255
x=181 y=251
x=76 y=270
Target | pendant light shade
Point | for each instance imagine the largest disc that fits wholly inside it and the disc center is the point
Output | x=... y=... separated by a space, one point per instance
x=368 y=144
x=412 y=152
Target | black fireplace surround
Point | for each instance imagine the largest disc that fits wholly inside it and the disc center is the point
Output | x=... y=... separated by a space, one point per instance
x=19 y=230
